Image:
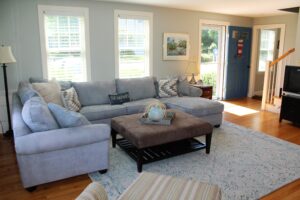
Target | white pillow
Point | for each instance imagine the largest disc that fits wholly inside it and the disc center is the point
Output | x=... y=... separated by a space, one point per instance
x=50 y=92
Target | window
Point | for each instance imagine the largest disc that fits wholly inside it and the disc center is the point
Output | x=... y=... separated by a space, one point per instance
x=133 y=38
x=266 y=49
x=64 y=43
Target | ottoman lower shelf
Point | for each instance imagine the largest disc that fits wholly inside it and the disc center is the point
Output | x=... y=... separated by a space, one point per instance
x=155 y=153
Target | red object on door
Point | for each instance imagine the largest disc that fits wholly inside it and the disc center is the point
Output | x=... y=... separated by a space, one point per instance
x=240 y=47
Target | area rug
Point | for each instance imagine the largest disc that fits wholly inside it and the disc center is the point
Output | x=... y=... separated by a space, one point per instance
x=246 y=164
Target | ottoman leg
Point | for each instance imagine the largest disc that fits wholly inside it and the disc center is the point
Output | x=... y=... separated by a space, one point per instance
x=208 y=141
x=139 y=160
x=113 y=137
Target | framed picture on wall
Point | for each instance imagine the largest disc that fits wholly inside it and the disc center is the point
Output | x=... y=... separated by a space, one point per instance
x=176 y=46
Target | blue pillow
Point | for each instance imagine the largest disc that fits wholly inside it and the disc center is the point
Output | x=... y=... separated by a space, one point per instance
x=37 y=116
x=119 y=98
x=66 y=118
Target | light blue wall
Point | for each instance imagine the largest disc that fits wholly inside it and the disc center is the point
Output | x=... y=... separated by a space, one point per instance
x=19 y=28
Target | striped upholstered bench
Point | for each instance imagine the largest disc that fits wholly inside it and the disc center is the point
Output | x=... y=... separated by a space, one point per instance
x=159 y=187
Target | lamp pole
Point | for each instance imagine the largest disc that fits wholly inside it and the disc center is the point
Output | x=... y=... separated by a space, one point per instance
x=10 y=131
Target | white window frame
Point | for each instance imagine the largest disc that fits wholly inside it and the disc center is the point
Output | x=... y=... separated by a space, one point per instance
x=62 y=10
x=137 y=15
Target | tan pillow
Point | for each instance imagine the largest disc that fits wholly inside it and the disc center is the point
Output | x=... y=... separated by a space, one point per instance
x=50 y=92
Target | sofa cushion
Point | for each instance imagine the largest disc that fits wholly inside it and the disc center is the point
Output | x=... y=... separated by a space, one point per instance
x=194 y=105
x=138 y=106
x=105 y=111
x=66 y=118
x=37 y=116
x=26 y=92
x=94 y=93
x=50 y=92
x=138 y=88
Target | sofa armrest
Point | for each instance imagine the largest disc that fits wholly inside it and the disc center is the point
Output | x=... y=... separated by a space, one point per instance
x=64 y=138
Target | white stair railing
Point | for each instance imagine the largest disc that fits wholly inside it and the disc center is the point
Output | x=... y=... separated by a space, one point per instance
x=271 y=80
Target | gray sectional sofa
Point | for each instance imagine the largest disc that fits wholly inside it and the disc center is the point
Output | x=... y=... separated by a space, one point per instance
x=57 y=154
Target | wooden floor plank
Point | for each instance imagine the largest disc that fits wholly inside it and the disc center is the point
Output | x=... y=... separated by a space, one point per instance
x=266 y=122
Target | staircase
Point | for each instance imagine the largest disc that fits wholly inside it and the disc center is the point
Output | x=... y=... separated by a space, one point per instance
x=273 y=81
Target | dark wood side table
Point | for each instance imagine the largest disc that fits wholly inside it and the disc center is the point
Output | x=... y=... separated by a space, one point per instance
x=207 y=90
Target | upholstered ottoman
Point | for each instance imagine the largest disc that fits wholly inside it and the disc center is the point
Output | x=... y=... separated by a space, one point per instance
x=155 y=186
x=149 y=143
x=160 y=187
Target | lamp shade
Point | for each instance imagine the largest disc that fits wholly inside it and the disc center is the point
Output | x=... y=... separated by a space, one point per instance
x=192 y=68
x=6 y=55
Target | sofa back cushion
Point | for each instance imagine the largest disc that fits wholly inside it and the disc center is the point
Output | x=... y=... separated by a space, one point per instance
x=37 y=116
x=138 y=88
x=25 y=91
x=94 y=93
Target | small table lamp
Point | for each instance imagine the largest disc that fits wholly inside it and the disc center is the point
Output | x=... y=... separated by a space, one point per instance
x=6 y=57
x=192 y=69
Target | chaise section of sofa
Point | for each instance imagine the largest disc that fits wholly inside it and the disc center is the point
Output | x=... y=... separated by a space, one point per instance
x=60 y=153
x=206 y=109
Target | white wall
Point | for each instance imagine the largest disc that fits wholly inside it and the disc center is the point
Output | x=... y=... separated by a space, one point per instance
x=290 y=21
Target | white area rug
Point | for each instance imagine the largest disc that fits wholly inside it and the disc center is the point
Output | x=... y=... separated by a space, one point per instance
x=246 y=164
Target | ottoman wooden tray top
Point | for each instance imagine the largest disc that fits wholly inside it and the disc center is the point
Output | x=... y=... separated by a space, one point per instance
x=148 y=143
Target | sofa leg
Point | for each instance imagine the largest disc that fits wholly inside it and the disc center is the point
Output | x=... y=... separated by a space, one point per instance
x=31 y=189
x=103 y=171
x=217 y=126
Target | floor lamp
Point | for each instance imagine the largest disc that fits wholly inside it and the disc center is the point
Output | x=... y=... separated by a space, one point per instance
x=6 y=57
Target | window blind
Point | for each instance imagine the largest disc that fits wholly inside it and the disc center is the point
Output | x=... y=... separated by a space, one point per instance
x=133 y=40
x=65 y=47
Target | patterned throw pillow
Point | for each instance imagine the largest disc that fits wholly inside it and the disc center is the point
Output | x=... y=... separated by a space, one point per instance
x=167 y=88
x=119 y=98
x=70 y=99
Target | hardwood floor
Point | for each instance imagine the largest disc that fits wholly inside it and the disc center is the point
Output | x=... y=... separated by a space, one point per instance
x=244 y=112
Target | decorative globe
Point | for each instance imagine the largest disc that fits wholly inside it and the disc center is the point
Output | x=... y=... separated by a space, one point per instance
x=156 y=114
x=156 y=111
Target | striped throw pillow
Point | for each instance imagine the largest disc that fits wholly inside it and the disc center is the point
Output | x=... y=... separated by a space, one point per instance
x=70 y=99
x=168 y=88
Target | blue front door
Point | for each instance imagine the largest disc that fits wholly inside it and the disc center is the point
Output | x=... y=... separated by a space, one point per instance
x=238 y=59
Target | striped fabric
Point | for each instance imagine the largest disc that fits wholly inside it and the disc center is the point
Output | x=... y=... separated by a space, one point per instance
x=94 y=191
x=70 y=99
x=167 y=88
x=159 y=187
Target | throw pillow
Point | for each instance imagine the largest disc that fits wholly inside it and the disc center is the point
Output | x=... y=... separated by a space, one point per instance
x=37 y=116
x=119 y=98
x=70 y=99
x=26 y=92
x=66 y=118
x=167 y=88
x=50 y=91
x=185 y=89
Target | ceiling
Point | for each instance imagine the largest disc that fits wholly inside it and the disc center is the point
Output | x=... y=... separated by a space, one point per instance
x=247 y=8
